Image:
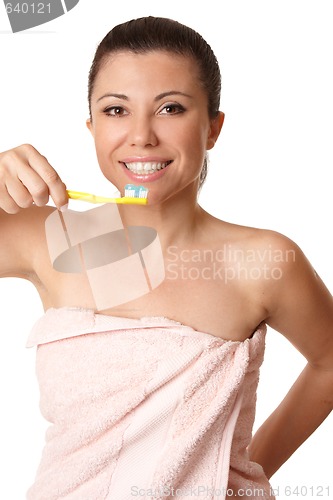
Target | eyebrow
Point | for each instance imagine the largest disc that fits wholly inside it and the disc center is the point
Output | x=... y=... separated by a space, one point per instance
x=157 y=98
x=118 y=96
x=170 y=93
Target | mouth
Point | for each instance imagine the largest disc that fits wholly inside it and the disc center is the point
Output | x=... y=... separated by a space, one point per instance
x=146 y=168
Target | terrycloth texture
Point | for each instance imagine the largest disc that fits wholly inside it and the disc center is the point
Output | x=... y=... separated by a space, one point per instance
x=145 y=408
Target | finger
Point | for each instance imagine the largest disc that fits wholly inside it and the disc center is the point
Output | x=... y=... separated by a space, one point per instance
x=56 y=188
x=7 y=202
x=19 y=193
x=18 y=174
x=33 y=183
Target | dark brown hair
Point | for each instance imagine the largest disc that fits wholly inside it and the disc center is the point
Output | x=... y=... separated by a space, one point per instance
x=155 y=33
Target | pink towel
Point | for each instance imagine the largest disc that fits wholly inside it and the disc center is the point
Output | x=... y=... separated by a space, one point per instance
x=144 y=408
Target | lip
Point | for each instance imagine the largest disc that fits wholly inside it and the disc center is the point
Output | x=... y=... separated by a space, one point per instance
x=144 y=178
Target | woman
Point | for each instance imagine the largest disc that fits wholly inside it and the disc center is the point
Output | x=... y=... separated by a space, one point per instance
x=142 y=404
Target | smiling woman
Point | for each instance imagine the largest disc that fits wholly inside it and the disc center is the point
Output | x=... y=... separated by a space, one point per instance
x=170 y=373
x=143 y=134
x=175 y=39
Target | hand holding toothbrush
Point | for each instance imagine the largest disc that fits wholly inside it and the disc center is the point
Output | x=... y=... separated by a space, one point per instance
x=27 y=178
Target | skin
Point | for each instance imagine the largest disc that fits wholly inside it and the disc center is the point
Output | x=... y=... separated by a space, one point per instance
x=297 y=304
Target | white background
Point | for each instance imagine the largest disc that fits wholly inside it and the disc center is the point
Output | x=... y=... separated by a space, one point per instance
x=270 y=169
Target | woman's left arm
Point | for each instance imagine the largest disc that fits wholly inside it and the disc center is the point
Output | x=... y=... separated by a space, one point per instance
x=301 y=308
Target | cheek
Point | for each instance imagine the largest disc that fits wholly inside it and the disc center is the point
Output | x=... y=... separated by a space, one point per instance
x=194 y=139
x=103 y=147
x=107 y=139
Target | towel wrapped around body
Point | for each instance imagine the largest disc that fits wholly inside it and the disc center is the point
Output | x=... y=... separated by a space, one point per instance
x=144 y=408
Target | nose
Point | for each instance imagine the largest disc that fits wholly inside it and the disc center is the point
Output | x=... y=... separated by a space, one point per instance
x=142 y=132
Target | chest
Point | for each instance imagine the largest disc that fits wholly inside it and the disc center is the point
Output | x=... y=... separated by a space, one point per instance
x=195 y=295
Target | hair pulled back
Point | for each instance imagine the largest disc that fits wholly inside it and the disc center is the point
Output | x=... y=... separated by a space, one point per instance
x=156 y=33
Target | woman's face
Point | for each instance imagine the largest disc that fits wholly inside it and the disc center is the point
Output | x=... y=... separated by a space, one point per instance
x=150 y=123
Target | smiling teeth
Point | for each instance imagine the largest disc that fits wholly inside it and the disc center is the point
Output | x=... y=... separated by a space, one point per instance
x=147 y=167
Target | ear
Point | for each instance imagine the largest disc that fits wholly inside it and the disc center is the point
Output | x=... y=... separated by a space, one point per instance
x=214 y=130
x=90 y=126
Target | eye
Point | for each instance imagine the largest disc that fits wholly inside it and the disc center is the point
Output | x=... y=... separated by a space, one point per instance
x=172 y=109
x=115 y=111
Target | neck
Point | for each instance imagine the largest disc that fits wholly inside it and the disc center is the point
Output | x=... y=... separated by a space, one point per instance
x=176 y=220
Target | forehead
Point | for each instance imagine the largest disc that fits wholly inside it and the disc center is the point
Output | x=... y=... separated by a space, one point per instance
x=153 y=68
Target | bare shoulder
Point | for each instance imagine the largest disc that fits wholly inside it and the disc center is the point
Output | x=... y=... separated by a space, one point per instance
x=262 y=263
x=267 y=246
x=255 y=245
x=274 y=271
x=271 y=259
x=22 y=236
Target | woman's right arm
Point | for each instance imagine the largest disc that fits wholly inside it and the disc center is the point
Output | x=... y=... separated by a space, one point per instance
x=27 y=180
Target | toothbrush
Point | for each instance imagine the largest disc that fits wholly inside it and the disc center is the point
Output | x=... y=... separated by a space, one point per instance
x=134 y=195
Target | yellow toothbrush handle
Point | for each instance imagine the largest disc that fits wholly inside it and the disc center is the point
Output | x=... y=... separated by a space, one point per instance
x=77 y=195
x=126 y=200
x=91 y=198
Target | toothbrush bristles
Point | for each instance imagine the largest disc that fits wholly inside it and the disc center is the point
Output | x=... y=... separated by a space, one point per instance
x=132 y=191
